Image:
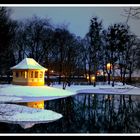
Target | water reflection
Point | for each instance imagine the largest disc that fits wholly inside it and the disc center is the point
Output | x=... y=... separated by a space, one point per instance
x=89 y=113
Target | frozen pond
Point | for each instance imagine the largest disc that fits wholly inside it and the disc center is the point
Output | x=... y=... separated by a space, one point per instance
x=89 y=113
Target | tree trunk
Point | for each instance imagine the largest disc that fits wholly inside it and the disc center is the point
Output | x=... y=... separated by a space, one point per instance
x=94 y=84
x=121 y=74
x=69 y=80
x=113 y=75
x=61 y=63
x=95 y=70
x=124 y=80
x=130 y=74
x=65 y=83
x=130 y=77
x=60 y=72
x=109 y=77
x=89 y=74
x=104 y=77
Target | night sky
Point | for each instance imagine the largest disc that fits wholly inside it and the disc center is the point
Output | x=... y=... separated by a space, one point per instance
x=77 y=18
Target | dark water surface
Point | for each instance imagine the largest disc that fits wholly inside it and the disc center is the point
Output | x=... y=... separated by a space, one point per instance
x=89 y=113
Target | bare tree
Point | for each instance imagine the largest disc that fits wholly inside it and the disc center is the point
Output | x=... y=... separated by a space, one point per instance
x=95 y=45
x=132 y=12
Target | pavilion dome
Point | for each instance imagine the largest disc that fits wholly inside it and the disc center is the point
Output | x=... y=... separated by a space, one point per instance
x=28 y=63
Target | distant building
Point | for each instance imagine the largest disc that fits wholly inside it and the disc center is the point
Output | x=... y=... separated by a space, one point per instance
x=136 y=75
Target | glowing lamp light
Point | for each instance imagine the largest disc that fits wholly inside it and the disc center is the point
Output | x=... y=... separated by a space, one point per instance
x=93 y=78
x=87 y=77
x=98 y=73
x=52 y=71
x=109 y=66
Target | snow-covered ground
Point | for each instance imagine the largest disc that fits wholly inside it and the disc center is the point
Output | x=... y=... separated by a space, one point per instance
x=14 y=93
x=26 y=117
x=33 y=93
x=103 y=89
x=4 y=99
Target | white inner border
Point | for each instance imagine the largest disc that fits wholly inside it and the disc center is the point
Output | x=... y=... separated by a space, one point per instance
x=71 y=5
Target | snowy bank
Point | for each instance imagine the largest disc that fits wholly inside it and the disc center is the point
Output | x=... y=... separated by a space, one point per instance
x=4 y=99
x=33 y=93
x=14 y=93
x=26 y=117
x=103 y=89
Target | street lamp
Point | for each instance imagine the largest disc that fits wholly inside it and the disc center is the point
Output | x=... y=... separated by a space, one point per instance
x=109 y=67
x=93 y=79
x=87 y=77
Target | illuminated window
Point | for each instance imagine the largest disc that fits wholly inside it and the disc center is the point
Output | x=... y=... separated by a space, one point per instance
x=22 y=74
x=32 y=73
x=25 y=75
x=36 y=74
x=41 y=74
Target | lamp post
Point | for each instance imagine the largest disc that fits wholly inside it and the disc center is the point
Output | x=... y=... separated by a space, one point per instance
x=109 y=65
x=93 y=79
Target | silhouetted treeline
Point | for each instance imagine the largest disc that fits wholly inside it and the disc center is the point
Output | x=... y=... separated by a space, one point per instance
x=63 y=52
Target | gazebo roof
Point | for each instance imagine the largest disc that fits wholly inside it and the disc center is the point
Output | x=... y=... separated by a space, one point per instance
x=28 y=63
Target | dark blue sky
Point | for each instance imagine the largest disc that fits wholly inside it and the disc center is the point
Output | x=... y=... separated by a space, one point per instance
x=77 y=18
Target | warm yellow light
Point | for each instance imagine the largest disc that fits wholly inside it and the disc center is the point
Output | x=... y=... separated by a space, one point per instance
x=46 y=69
x=93 y=78
x=87 y=77
x=109 y=66
x=41 y=106
x=52 y=71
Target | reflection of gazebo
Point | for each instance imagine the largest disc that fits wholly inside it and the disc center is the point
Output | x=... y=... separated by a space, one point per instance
x=28 y=72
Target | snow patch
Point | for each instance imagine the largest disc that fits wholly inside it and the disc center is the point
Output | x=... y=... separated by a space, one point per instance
x=33 y=93
x=26 y=117
x=103 y=89
x=4 y=99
